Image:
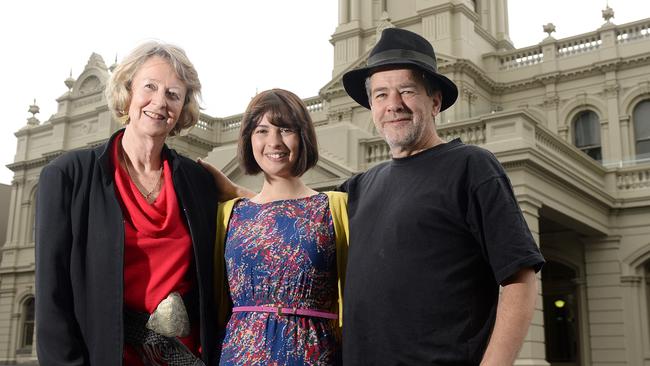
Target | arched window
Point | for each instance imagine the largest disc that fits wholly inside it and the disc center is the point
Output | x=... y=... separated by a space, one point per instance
x=642 y=129
x=27 y=326
x=586 y=134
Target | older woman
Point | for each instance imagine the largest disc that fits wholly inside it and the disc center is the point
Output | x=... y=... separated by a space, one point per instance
x=125 y=231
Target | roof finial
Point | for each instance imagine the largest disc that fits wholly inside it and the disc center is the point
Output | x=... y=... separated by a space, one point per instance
x=608 y=13
x=69 y=82
x=33 y=109
x=549 y=28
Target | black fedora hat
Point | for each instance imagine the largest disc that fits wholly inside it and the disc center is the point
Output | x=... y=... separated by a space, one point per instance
x=399 y=47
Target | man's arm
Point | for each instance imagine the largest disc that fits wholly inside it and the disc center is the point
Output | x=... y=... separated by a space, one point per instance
x=514 y=313
x=226 y=188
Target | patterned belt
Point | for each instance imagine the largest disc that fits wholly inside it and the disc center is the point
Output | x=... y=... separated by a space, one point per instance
x=279 y=310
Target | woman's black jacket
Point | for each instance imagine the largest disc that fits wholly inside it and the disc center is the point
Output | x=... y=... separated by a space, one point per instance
x=80 y=256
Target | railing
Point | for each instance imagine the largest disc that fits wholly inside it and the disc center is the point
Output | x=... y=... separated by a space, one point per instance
x=584 y=43
x=521 y=58
x=204 y=125
x=633 y=31
x=573 y=46
x=470 y=134
x=231 y=123
x=633 y=178
x=374 y=151
x=314 y=104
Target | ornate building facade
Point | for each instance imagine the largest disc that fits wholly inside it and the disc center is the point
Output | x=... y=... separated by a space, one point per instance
x=569 y=119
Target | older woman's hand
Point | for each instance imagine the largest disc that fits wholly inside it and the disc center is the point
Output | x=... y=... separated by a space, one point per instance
x=227 y=188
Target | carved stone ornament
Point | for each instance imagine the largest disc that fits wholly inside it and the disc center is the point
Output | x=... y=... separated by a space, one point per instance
x=549 y=28
x=33 y=109
x=383 y=24
x=608 y=13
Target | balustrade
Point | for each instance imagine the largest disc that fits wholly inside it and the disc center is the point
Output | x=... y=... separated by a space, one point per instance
x=632 y=179
x=584 y=43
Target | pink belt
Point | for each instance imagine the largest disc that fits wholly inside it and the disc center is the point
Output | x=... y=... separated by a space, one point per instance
x=279 y=310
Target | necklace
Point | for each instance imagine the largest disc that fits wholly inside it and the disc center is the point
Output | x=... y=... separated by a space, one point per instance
x=143 y=191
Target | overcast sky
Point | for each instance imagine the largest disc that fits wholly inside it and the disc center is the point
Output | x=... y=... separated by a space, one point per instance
x=238 y=47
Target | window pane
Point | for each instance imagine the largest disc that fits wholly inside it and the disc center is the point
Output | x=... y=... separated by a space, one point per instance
x=28 y=334
x=28 y=323
x=642 y=121
x=587 y=130
x=643 y=149
x=29 y=309
x=594 y=153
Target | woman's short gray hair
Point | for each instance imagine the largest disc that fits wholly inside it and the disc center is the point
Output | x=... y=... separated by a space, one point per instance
x=118 y=90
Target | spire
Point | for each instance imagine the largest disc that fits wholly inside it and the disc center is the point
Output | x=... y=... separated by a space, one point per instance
x=96 y=60
x=114 y=65
x=33 y=109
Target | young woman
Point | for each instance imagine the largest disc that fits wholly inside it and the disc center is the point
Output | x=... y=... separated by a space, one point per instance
x=284 y=249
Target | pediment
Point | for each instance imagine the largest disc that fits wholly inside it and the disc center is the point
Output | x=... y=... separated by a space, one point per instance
x=93 y=79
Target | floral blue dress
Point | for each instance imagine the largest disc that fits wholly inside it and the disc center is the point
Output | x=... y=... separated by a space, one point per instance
x=281 y=253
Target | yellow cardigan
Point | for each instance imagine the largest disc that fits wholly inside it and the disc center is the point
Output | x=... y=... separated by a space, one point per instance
x=338 y=202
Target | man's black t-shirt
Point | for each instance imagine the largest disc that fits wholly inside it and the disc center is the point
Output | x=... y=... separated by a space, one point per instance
x=431 y=237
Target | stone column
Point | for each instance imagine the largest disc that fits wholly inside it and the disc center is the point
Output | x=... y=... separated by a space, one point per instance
x=355 y=10
x=604 y=296
x=633 y=332
x=584 y=347
x=613 y=134
x=533 y=351
x=344 y=15
x=625 y=137
x=502 y=21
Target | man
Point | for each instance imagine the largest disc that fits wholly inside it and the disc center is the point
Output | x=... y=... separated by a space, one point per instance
x=433 y=232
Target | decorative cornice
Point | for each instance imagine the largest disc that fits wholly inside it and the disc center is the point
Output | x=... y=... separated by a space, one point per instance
x=33 y=163
x=549 y=78
x=347 y=34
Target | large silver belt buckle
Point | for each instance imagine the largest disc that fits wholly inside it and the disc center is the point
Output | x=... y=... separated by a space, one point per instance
x=170 y=317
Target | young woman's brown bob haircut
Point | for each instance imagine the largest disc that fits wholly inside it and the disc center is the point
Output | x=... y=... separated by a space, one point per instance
x=283 y=109
x=118 y=91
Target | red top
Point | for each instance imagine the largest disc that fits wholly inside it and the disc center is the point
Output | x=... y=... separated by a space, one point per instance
x=157 y=246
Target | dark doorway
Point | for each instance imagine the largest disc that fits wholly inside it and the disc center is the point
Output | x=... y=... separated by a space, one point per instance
x=560 y=314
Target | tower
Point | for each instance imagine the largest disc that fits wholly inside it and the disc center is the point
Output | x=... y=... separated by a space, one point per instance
x=463 y=28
